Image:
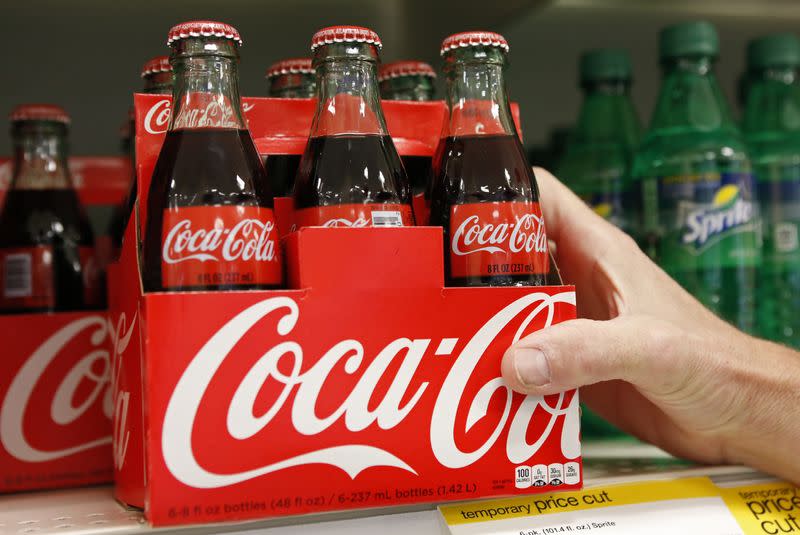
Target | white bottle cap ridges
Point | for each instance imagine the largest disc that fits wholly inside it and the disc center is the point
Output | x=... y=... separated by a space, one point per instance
x=405 y=68
x=345 y=34
x=39 y=112
x=202 y=28
x=474 y=38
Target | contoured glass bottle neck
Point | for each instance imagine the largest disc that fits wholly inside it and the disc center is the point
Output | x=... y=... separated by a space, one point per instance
x=476 y=92
x=690 y=99
x=206 y=84
x=773 y=101
x=347 y=90
x=607 y=114
x=40 y=155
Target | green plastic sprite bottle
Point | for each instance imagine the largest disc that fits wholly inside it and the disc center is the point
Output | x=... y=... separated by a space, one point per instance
x=772 y=129
x=700 y=213
x=596 y=164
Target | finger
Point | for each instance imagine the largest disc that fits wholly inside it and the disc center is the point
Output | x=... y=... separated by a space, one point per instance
x=649 y=353
x=565 y=214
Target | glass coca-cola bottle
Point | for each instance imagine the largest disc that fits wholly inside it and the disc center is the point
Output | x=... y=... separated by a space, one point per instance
x=407 y=80
x=157 y=79
x=411 y=81
x=485 y=195
x=350 y=173
x=292 y=78
x=47 y=259
x=210 y=222
x=289 y=78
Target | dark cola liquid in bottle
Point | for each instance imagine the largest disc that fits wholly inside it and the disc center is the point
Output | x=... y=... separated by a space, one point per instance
x=289 y=78
x=485 y=195
x=209 y=218
x=157 y=79
x=350 y=173
x=47 y=259
x=410 y=81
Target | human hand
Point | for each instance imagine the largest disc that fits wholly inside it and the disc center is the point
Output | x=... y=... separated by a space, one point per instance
x=651 y=359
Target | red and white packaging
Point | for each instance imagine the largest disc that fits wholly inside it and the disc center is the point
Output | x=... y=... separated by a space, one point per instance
x=281 y=126
x=55 y=382
x=484 y=243
x=55 y=401
x=365 y=384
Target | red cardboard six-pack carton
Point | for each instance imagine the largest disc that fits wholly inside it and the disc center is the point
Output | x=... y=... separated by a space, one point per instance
x=55 y=380
x=365 y=383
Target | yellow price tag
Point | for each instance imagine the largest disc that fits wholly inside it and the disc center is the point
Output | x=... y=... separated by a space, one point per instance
x=612 y=495
x=768 y=508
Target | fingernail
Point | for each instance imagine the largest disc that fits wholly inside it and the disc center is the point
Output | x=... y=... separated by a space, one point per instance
x=532 y=367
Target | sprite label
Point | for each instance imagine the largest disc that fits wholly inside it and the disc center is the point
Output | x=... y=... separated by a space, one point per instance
x=708 y=220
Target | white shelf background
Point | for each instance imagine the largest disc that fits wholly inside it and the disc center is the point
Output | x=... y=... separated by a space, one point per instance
x=93 y=511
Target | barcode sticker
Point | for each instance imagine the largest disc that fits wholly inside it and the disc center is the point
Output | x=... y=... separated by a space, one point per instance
x=18 y=275
x=387 y=218
x=785 y=237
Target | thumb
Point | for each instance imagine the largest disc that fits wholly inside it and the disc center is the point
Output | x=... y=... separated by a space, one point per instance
x=649 y=353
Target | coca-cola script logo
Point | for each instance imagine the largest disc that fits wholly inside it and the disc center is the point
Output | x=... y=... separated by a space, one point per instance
x=218 y=113
x=526 y=234
x=281 y=365
x=121 y=335
x=342 y=222
x=156 y=120
x=63 y=410
x=249 y=239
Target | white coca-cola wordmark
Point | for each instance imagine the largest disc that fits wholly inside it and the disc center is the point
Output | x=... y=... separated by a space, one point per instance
x=342 y=222
x=249 y=239
x=526 y=234
x=121 y=337
x=184 y=403
x=63 y=412
x=217 y=113
x=156 y=120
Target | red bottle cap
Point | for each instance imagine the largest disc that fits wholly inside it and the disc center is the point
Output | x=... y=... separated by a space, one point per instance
x=156 y=65
x=405 y=68
x=203 y=28
x=345 y=34
x=39 y=112
x=290 y=66
x=465 y=39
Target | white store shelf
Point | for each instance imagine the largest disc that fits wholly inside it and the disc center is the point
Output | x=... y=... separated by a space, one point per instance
x=93 y=510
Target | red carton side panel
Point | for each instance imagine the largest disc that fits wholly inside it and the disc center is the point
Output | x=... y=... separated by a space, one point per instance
x=55 y=412
x=126 y=312
x=284 y=403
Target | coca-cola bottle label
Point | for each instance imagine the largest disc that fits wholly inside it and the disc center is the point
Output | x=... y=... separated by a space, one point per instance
x=219 y=245
x=355 y=215
x=27 y=277
x=497 y=238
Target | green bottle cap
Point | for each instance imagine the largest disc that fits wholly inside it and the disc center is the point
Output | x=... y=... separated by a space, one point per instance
x=605 y=64
x=695 y=38
x=773 y=50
